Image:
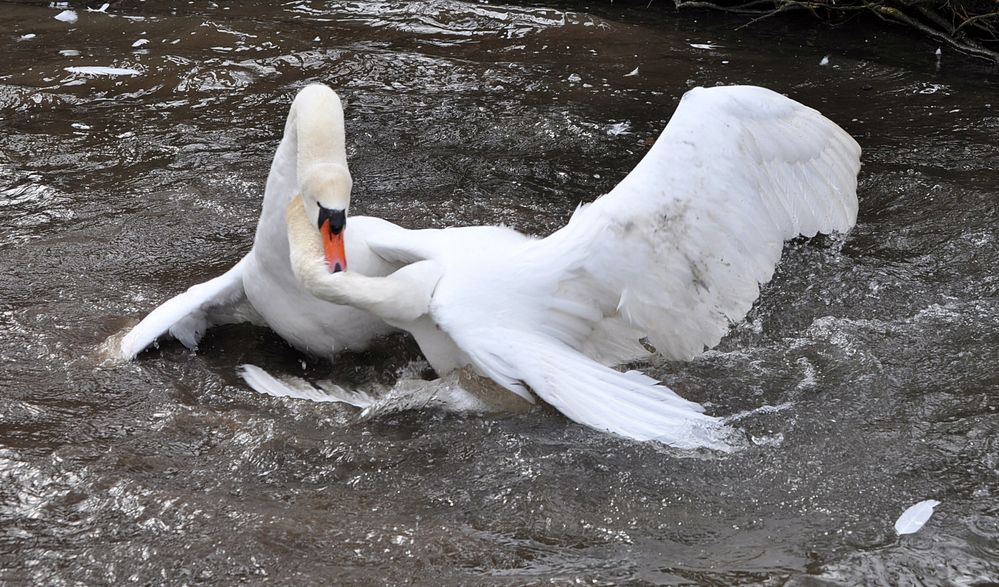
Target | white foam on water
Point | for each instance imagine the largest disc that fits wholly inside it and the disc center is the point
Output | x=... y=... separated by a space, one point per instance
x=67 y=16
x=101 y=70
x=458 y=392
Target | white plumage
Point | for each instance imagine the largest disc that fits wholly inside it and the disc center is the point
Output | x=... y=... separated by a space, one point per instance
x=261 y=288
x=680 y=246
x=674 y=254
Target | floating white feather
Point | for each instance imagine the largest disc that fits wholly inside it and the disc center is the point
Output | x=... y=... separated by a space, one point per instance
x=912 y=519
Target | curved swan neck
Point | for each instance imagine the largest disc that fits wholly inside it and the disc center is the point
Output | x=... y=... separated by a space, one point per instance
x=319 y=127
x=398 y=299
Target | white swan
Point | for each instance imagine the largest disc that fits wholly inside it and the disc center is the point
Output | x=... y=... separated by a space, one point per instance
x=672 y=256
x=261 y=288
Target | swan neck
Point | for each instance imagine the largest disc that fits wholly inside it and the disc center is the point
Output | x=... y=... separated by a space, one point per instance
x=319 y=128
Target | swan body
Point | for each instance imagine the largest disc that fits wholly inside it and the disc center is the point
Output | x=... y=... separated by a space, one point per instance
x=672 y=256
x=261 y=287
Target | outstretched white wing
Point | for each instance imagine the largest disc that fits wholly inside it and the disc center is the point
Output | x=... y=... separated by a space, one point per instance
x=674 y=253
x=188 y=315
x=683 y=242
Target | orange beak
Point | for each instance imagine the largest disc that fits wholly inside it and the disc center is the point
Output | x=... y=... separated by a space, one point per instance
x=336 y=256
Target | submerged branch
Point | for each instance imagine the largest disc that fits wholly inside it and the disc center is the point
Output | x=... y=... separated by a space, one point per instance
x=970 y=26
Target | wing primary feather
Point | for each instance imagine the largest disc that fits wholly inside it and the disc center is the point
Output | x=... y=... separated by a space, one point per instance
x=630 y=405
x=189 y=314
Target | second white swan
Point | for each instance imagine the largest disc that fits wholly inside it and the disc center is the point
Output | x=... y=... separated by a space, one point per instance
x=671 y=256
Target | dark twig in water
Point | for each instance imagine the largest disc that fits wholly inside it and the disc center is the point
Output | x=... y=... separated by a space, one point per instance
x=966 y=25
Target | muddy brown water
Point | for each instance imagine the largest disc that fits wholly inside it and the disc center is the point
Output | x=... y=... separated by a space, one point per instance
x=877 y=351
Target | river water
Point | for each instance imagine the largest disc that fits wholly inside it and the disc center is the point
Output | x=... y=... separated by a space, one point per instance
x=877 y=352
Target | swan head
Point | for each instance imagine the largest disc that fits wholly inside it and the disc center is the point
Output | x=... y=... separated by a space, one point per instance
x=326 y=197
